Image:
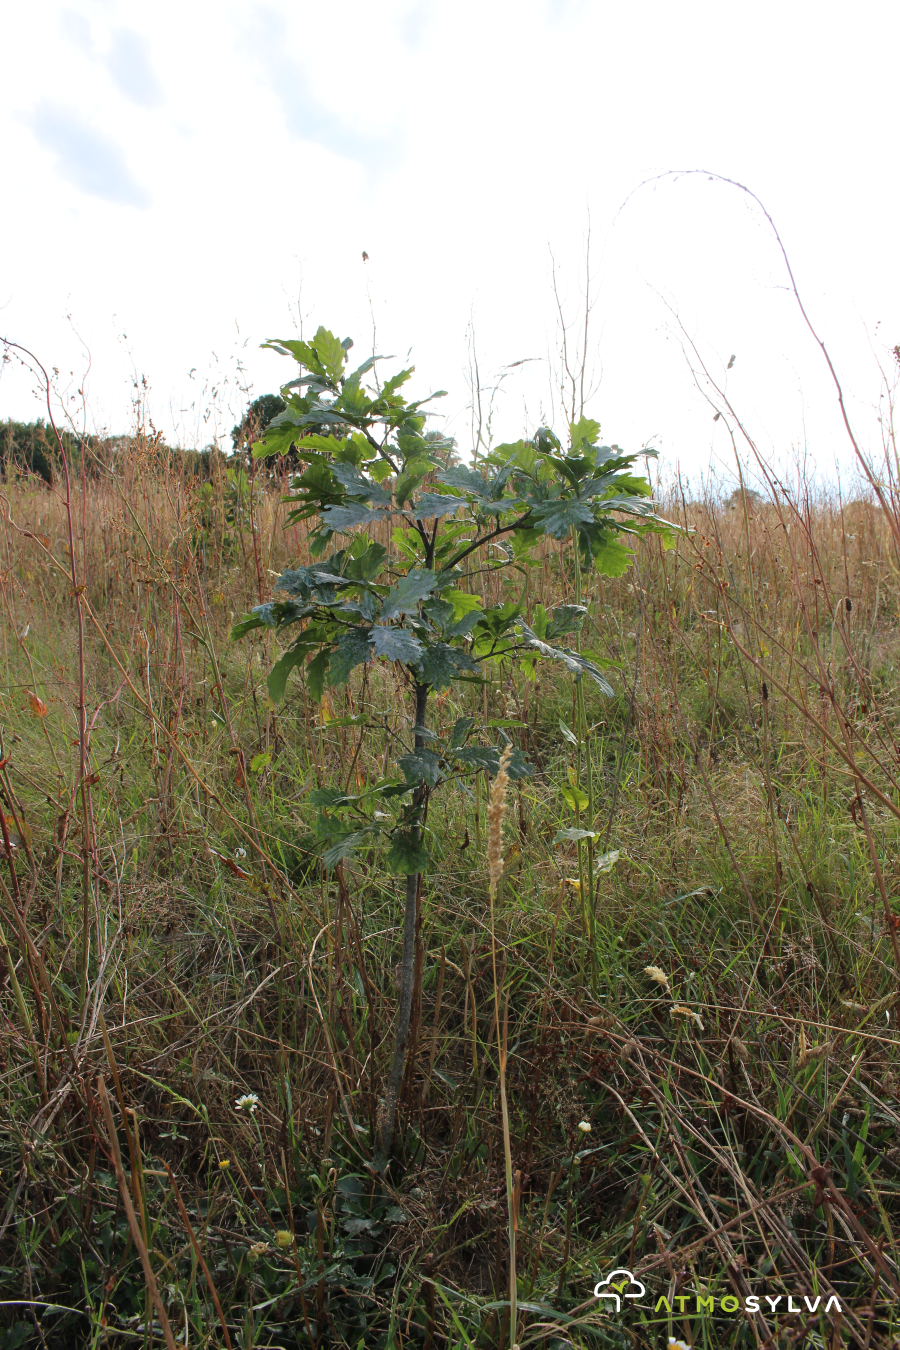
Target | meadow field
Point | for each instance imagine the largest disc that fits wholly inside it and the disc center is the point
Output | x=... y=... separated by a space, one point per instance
x=693 y=993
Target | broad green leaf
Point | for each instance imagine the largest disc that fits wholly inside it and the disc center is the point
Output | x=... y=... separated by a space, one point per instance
x=407 y=542
x=466 y=612
x=380 y=470
x=631 y=483
x=441 y=665
x=329 y=799
x=315 y=675
x=583 y=432
x=539 y=621
x=577 y=664
x=561 y=516
x=611 y=558
x=421 y=766
x=602 y=662
x=366 y=559
x=277 y=681
x=499 y=618
x=407 y=854
x=356 y=484
x=300 y=351
x=567 y=734
x=426 y=734
x=395 y=644
x=278 y=437
x=347 y=517
x=260 y=762
x=367 y=366
x=462 y=603
x=566 y=619
x=248 y=623
x=350 y=1185
x=522 y=542
x=466 y=480
x=461 y=728
x=344 y=846
x=431 y=505
x=330 y=352
x=393 y=384
x=520 y=453
x=404 y=598
x=488 y=757
x=607 y=861
x=352 y=650
x=546 y=441
x=410 y=479
x=465 y=625
x=314 y=441
x=575 y=798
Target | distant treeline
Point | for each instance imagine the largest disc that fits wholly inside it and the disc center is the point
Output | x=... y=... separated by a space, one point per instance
x=31 y=449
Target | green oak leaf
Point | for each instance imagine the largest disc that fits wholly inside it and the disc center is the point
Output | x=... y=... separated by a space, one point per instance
x=352 y=650
x=404 y=598
x=407 y=854
x=395 y=644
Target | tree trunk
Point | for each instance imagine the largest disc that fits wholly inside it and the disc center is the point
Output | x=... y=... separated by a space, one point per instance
x=407 y=967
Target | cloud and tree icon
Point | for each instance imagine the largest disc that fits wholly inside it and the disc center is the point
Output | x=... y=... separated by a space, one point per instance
x=619 y=1284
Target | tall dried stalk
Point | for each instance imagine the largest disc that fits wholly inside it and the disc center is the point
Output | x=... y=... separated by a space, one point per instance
x=495 y=814
x=83 y=782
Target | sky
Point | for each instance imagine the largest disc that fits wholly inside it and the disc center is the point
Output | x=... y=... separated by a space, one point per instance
x=183 y=181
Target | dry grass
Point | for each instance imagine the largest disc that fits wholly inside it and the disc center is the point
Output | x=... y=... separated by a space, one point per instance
x=759 y=862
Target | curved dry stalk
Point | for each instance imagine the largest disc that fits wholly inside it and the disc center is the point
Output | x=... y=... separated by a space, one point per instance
x=495 y=814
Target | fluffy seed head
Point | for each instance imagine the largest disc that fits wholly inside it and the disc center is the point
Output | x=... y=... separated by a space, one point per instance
x=740 y=1050
x=679 y=1010
x=659 y=976
x=496 y=812
x=807 y=1053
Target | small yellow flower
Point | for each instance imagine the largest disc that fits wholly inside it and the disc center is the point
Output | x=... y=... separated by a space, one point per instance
x=224 y=1164
x=283 y=1238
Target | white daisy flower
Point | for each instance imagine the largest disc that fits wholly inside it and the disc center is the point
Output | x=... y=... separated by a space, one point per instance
x=249 y=1102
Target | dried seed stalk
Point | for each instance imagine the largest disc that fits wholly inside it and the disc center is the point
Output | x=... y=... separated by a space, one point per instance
x=496 y=812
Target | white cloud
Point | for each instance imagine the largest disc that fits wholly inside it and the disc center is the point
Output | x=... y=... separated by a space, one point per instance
x=85 y=157
x=455 y=144
x=130 y=68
